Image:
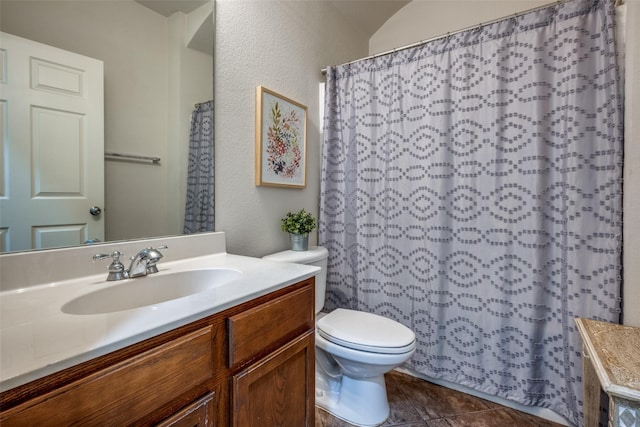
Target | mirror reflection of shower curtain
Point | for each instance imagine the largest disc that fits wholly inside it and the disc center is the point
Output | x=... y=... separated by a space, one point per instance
x=199 y=209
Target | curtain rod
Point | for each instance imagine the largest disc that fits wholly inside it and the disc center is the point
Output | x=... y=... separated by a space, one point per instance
x=442 y=36
x=202 y=103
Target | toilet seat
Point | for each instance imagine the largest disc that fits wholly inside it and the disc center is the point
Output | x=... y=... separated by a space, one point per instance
x=366 y=332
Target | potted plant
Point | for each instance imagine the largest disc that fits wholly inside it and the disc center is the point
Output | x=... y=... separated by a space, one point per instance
x=298 y=225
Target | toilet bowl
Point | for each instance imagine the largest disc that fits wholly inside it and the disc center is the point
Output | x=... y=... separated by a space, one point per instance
x=354 y=350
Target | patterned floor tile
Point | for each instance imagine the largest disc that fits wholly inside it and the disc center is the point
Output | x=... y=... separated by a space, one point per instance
x=417 y=403
x=490 y=418
x=433 y=401
x=401 y=406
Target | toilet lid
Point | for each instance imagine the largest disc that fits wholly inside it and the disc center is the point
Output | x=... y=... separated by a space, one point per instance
x=366 y=331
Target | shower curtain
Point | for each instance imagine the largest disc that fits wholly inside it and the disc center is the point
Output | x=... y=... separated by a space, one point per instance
x=471 y=190
x=199 y=210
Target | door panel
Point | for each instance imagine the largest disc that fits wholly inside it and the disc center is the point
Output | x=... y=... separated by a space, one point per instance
x=55 y=236
x=57 y=140
x=56 y=78
x=279 y=389
x=52 y=129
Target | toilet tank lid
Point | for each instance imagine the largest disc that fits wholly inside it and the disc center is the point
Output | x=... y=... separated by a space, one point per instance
x=313 y=254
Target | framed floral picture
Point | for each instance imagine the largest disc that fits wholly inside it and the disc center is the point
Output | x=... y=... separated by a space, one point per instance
x=281 y=140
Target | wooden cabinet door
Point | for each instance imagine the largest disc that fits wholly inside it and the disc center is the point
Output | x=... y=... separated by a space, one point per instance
x=279 y=389
x=198 y=414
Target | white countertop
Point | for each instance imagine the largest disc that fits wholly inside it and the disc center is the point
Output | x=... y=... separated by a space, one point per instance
x=37 y=338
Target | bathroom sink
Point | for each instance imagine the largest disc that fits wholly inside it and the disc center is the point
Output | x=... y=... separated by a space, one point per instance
x=149 y=290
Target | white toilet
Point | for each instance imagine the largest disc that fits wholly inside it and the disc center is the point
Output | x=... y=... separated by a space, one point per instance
x=354 y=350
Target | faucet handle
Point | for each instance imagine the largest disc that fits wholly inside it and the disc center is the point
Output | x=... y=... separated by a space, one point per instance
x=154 y=253
x=153 y=256
x=115 y=255
x=116 y=268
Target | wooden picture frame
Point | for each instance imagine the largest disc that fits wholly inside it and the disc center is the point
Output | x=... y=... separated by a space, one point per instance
x=281 y=140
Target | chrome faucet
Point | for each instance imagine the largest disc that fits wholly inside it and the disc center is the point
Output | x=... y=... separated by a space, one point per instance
x=116 y=268
x=145 y=262
x=142 y=264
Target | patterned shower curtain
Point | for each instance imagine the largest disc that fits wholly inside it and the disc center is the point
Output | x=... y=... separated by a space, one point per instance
x=471 y=190
x=199 y=210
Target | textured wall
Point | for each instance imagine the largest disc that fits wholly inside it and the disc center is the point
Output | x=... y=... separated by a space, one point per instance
x=281 y=45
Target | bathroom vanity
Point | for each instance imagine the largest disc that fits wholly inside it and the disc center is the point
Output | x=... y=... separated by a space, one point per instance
x=244 y=357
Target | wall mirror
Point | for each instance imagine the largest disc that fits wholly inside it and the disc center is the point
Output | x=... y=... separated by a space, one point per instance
x=157 y=61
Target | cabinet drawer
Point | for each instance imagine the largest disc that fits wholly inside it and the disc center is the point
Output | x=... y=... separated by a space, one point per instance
x=126 y=391
x=269 y=325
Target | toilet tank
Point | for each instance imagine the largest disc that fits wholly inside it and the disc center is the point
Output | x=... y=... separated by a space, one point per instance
x=316 y=255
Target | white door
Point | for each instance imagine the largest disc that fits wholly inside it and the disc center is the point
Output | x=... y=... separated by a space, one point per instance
x=51 y=146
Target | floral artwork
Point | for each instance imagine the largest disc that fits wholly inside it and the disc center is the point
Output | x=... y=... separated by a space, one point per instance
x=283 y=149
x=280 y=140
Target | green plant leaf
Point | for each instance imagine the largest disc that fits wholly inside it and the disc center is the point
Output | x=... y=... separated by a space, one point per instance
x=298 y=223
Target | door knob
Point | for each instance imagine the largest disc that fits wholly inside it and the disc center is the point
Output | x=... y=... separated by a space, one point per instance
x=95 y=210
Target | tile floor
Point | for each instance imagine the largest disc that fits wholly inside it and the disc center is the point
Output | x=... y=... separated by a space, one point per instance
x=418 y=403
